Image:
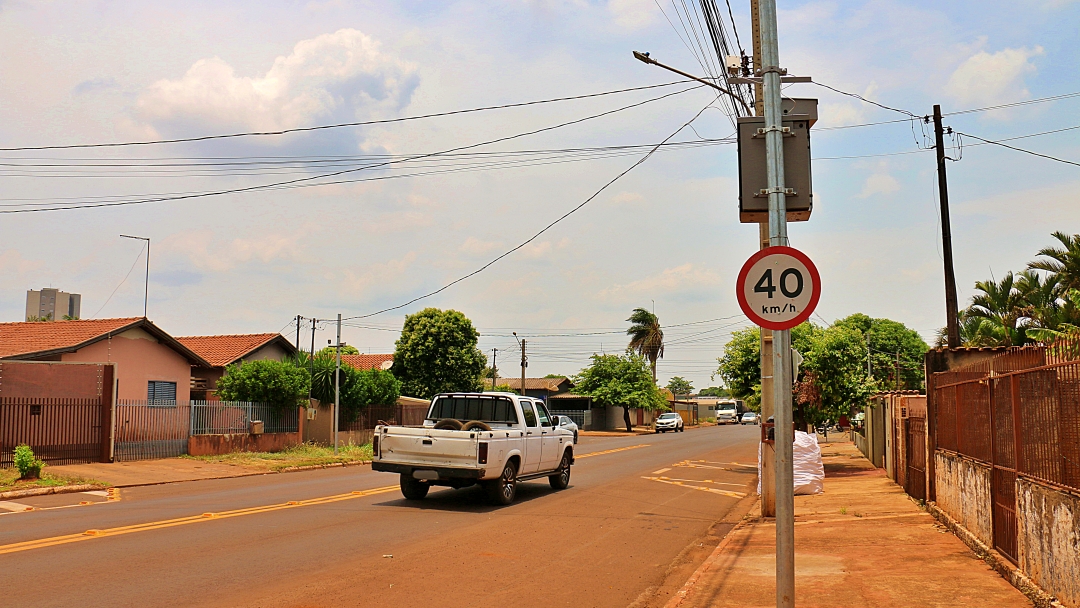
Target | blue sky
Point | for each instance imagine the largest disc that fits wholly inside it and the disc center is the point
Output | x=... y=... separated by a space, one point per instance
x=666 y=235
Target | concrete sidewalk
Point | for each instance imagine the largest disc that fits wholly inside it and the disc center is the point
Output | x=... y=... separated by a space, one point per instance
x=863 y=542
x=169 y=470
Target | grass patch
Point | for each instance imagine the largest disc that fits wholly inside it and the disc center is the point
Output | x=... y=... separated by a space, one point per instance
x=9 y=480
x=305 y=454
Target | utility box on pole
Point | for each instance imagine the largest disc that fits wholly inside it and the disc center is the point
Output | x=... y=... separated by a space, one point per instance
x=799 y=116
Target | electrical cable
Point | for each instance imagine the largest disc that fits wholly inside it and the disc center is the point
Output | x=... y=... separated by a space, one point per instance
x=317 y=177
x=338 y=125
x=543 y=230
x=998 y=143
x=133 y=264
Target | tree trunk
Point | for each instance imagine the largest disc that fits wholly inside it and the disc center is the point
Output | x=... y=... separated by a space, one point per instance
x=652 y=363
x=626 y=419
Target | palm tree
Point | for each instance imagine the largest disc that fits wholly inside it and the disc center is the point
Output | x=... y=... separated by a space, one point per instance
x=1063 y=263
x=646 y=337
x=974 y=332
x=1003 y=304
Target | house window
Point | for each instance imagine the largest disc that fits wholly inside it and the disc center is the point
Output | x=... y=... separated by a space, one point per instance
x=161 y=393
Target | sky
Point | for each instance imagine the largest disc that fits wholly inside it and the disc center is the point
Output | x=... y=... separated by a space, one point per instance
x=666 y=236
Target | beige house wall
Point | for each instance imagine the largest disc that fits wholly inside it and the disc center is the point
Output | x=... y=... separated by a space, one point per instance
x=139 y=358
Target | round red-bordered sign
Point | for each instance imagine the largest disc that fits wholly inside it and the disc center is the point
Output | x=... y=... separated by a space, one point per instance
x=778 y=288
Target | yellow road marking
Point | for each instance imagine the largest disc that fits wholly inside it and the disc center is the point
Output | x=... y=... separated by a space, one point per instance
x=661 y=471
x=181 y=521
x=110 y=494
x=719 y=483
x=702 y=488
x=630 y=447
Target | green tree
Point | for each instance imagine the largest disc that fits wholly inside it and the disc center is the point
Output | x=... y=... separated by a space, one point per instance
x=437 y=353
x=280 y=384
x=620 y=381
x=646 y=337
x=1003 y=305
x=714 y=391
x=885 y=339
x=554 y=376
x=1063 y=263
x=680 y=386
x=345 y=350
x=366 y=388
x=740 y=366
x=833 y=377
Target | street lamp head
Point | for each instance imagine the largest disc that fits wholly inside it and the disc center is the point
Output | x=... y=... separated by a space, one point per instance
x=643 y=57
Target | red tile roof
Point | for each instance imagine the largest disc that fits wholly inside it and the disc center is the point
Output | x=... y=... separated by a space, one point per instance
x=368 y=361
x=42 y=338
x=531 y=384
x=223 y=350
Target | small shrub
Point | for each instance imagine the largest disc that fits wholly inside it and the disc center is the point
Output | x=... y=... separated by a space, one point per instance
x=28 y=466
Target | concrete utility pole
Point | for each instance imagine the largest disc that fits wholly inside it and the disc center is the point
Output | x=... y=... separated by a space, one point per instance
x=311 y=356
x=769 y=70
x=297 y=332
x=951 y=312
x=524 y=364
x=897 y=370
x=494 y=370
x=337 y=384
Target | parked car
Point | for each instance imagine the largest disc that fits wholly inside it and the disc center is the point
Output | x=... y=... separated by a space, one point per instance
x=669 y=421
x=750 y=418
x=492 y=439
x=565 y=422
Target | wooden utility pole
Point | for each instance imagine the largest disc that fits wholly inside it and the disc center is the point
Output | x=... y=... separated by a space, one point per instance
x=951 y=312
x=524 y=364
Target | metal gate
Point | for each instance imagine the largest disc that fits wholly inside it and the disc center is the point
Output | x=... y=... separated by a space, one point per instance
x=915 y=479
x=1003 y=471
x=60 y=431
x=146 y=431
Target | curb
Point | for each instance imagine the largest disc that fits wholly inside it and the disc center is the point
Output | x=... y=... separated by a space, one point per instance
x=49 y=490
x=744 y=520
x=995 y=560
x=310 y=467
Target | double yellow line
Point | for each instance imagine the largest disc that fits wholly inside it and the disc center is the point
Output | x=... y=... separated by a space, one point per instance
x=183 y=521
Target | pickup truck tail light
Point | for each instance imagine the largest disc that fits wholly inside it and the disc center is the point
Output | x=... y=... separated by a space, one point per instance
x=375 y=445
x=482 y=453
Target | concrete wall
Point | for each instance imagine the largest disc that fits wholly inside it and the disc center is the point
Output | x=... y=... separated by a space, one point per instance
x=963 y=492
x=1048 y=539
x=210 y=445
x=139 y=358
x=612 y=418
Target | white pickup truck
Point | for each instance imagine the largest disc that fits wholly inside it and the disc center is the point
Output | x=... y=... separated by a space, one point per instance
x=491 y=439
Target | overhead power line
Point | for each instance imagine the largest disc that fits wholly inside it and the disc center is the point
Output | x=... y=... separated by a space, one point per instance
x=307 y=181
x=545 y=228
x=337 y=125
x=998 y=143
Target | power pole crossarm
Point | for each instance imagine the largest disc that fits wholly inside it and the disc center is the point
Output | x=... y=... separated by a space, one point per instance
x=645 y=57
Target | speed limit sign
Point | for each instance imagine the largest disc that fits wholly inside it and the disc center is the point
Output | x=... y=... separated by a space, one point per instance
x=778 y=288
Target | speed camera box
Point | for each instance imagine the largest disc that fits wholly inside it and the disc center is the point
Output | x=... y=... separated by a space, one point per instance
x=753 y=180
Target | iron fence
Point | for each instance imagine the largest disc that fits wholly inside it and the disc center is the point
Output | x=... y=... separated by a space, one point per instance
x=60 y=431
x=232 y=417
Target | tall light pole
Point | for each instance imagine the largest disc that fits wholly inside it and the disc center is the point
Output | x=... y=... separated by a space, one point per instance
x=524 y=362
x=146 y=281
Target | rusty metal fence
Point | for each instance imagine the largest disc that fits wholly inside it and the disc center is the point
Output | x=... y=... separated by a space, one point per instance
x=1019 y=414
x=371 y=416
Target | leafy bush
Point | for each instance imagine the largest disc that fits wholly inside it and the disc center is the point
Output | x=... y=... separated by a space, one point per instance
x=276 y=383
x=368 y=387
x=28 y=466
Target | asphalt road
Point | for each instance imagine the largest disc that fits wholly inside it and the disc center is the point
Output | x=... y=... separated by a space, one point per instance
x=638 y=518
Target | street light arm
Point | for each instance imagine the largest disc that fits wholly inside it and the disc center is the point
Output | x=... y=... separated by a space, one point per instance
x=645 y=58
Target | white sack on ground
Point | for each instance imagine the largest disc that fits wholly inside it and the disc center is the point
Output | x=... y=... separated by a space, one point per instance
x=806 y=460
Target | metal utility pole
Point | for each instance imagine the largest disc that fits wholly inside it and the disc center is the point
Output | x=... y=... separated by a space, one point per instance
x=146 y=281
x=951 y=311
x=768 y=474
x=337 y=383
x=770 y=71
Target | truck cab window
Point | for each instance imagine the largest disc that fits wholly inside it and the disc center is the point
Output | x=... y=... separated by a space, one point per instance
x=545 y=418
x=530 y=414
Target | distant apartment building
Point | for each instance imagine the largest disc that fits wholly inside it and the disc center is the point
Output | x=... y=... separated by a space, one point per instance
x=52 y=304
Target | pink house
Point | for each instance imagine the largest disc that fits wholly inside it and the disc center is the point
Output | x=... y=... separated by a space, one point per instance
x=150 y=364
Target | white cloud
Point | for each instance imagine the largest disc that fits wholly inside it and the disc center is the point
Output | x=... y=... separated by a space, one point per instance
x=686 y=277
x=626 y=198
x=475 y=246
x=633 y=14
x=342 y=74
x=879 y=183
x=205 y=252
x=986 y=78
x=387 y=273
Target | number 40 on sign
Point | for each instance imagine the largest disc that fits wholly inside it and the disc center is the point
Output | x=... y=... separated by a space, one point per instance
x=778 y=288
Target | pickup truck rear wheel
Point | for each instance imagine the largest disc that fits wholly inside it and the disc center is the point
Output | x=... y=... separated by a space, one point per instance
x=413 y=489
x=561 y=479
x=503 y=490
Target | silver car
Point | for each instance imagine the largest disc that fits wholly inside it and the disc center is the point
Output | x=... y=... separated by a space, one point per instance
x=750 y=418
x=669 y=421
x=565 y=422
